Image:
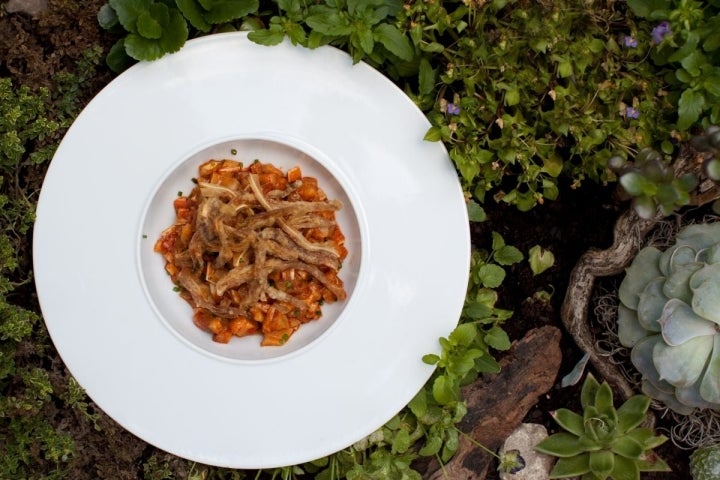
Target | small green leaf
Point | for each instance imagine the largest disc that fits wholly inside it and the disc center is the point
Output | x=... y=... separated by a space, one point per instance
x=141 y=48
x=602 y=463
x=272 y=36
x=194 y=14
x=117 y=59
x=604 y=398
x=227 y=10
x=634 y=183
x=491 y=276
x=107 y=18
x=430 y=359
x=632 y=412
x=128 y=12
x=570 y=421
x=540 y=259
x=401 y=442
x=497 y=338
x=625 y=469
x=627 y=447
x=427 y=77
x=432 y=447
x=508 y=255
x=571 y=467
x=434 y=134
x=395 y=41
x=563 y=445
x=476 y=213
x=328 y=21
x=587 y=393
x=148 y=27
x=444 y=390
x=464 y=334
x=365 y=37
x=690 y=106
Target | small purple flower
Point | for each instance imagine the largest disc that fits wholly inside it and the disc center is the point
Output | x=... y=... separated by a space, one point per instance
x=631 y=112
x=629 y=41
x=453 y=109
x=660 y=32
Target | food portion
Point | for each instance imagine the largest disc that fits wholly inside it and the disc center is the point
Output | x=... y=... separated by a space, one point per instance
x=254 y=250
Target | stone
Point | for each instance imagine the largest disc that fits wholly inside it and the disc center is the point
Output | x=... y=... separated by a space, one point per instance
x=524 y=439
x=30 y=7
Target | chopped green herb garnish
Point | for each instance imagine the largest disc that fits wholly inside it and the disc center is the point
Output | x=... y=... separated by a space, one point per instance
x=179 y=193
x=284 y=339
x=233 y=151
x=288 y=284
x=194 y=180
x=144 y=235
x=176 y=288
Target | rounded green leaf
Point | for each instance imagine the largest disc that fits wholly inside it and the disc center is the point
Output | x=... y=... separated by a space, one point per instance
x=680 y=323
x=650 y=305
x=148 y=27
x=175 y=34
x=700 y=235
x=682 y=365
x=395 y=41
x=668 y=399
x=676 y=256
x=194 y=13
x=706 y=295
x=677 y=285
x=690 y=396
x=643 y=269
x=629 y=329
x=642 y=357
x=710 y=385
x=634 y=183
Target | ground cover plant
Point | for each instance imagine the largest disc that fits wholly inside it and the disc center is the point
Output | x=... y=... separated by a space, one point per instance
x=533 y=100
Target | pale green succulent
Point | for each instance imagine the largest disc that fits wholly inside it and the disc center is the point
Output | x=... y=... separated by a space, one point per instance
x=669 y=314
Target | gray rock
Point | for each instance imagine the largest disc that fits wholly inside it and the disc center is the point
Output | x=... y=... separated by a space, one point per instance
x=31 y=7
x=524 y=439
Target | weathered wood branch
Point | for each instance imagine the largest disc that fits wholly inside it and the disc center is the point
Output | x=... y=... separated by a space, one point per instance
x=497 y=404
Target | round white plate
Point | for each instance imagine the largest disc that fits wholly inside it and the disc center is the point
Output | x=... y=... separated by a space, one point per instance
x=128 y=338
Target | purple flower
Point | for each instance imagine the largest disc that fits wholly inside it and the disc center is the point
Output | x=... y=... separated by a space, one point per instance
x=660 y=32
x=453 y=109
x=631 y=112
x=630 y=41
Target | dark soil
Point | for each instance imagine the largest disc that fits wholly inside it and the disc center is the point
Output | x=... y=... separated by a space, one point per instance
x=34 y=50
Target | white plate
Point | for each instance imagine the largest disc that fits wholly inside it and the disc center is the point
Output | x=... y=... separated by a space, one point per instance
x=126 y=336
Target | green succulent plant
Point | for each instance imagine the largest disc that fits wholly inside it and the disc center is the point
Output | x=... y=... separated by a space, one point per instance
x=669 y=314
x=603 y=442
x=705 y=463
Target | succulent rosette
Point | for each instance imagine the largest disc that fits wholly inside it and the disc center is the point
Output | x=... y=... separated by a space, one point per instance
x=669 y=314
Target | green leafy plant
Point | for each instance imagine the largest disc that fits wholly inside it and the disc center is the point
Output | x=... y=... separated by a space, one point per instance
x=669 y=316
x=528 y=95
x=365 y=29
x=603 y=442
x=153 y=28
x=651 y=182
x=685 y=39
x=705 y=463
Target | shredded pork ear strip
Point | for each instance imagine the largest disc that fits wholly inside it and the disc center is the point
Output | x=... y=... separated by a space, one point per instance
x=254 y=250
